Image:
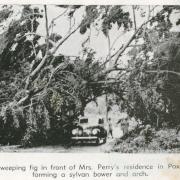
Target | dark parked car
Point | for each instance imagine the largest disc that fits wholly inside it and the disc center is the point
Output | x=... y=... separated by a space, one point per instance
x=85 y=132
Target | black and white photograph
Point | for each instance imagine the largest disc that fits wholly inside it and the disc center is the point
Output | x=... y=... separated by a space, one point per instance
x=89 y=78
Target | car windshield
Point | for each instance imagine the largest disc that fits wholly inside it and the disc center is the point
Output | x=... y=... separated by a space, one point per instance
x=84 y=120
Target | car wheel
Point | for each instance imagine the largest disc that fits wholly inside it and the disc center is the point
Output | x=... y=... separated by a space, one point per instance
x=104 y=140
x=98 y=141
x=71 y=143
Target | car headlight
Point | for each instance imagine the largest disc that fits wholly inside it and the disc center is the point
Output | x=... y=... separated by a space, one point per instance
x=74 y=131
x=95 y=131
x=80 y=132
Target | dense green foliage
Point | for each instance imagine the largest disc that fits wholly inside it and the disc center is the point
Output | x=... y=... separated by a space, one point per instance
x=56 y=95
x=153 y=88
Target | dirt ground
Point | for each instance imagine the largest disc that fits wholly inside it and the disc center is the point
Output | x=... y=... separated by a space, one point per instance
x=79 y=148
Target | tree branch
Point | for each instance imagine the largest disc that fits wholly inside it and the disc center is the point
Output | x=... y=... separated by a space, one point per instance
x=43 y=61
x=106 y=82
x=129 y=42
x=64 y=39
x=33 y=73
x=163 y=71
x=47 y=29
x=115 y=69
x=134 y=17
x=54 y=19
